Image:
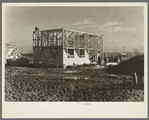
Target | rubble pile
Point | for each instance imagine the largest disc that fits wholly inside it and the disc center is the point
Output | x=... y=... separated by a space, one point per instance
x=135 y=64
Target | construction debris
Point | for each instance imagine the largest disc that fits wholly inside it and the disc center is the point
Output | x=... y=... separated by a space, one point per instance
x=112 y=64
x=75 y=78
x=111 y=76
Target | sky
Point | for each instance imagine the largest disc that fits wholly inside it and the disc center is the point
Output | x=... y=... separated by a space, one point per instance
x=120 y=26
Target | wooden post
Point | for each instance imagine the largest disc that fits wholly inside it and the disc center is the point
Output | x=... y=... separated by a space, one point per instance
x=135 y=79
x=74 y=40
x=67 y=42
x=48 y=38
x=102 y=44
x=56 y=44
x=63 y=38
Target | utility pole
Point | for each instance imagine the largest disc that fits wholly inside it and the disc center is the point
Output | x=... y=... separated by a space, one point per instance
x=123 y=49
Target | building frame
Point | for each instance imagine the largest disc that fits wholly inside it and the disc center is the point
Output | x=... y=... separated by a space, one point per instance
x=63 y=47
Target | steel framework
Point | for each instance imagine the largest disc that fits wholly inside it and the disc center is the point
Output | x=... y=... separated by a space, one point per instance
x=47 y=45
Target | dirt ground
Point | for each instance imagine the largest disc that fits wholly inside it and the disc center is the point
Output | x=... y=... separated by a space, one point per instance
x=49 y=84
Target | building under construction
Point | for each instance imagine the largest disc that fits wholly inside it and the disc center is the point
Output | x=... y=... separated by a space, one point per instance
x=63 y=47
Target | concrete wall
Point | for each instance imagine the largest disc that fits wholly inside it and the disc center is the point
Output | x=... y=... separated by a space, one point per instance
x=76 y=60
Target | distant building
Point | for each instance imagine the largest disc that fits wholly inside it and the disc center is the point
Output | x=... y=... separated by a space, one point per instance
x=64 y=47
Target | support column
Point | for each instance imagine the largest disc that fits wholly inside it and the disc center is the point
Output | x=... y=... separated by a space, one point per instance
x=48 y=38
x=96 y=55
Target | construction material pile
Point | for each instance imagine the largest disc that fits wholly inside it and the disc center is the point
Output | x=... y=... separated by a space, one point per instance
x=37 y=84
x=135 y=64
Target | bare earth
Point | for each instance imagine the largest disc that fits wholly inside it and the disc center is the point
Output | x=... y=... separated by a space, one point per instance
x=47 y=84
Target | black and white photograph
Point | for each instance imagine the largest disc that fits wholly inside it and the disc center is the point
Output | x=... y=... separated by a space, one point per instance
x=85 y=54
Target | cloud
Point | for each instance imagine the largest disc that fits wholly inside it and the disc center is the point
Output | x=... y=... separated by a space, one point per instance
x=116 y=27
x=123 y=29
x=105 y=29
x=87 y=26
x=114 y=41
x=83 y=23
x=110 y=24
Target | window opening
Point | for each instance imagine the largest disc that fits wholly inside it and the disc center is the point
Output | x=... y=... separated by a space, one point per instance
x=70 y=53
x=82 y=52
